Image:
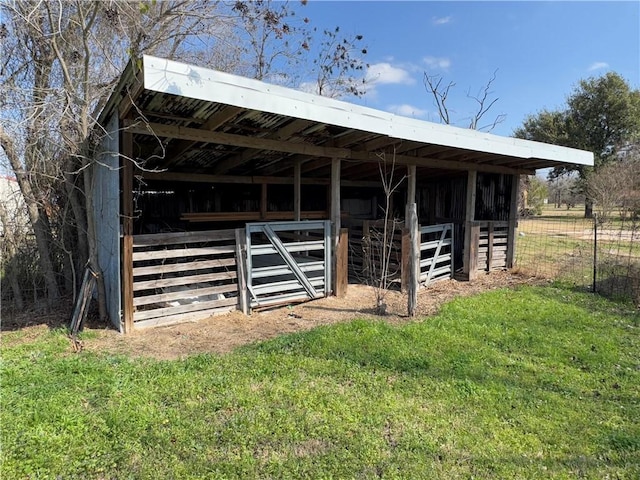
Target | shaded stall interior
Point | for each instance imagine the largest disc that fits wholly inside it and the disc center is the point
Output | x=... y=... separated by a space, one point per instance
x=197 y=155
x=183 y=206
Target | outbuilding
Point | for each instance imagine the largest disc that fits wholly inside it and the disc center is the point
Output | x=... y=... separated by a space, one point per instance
x=216 y=192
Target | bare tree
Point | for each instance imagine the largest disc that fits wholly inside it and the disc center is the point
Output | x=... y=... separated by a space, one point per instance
x=483 y=99
x=615 y=187
x=338 y=65
x=378 y=245
x=60 y=61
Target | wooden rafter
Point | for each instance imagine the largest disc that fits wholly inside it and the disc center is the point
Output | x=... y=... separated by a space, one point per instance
x=305 y=149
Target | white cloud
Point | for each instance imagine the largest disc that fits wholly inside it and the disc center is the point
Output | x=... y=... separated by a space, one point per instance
x=437 y=63
x=380 y=73
x=598 y=66
x=441 y=20
x=309 y=87
x=407 y=110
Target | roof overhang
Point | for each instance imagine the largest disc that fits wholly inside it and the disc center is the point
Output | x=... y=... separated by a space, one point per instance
x=194 y=119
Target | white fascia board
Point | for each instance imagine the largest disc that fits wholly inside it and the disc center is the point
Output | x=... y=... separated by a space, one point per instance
x=167 y=76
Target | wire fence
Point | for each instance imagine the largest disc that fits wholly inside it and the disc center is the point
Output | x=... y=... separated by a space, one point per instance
x=600 y=256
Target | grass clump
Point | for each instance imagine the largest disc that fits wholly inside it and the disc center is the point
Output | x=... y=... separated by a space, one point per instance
x=538 y=382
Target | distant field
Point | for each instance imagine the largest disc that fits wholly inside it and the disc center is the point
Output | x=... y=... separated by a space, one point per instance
x=559 y=244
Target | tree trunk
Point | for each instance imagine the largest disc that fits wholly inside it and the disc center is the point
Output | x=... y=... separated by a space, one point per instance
x=39 y=224
x=82 y=254
x=588 y=208
x=8 y=257
x=92 y=242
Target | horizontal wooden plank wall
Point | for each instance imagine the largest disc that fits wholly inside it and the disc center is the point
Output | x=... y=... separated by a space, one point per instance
x=491 y=240
x=183 y=276
x=250 y=216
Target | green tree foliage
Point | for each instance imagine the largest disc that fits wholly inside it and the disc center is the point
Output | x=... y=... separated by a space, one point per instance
x=602 y=115
x=538 y=193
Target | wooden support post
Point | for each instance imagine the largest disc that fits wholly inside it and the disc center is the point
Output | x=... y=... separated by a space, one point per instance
x=411 y=185
x=413 y=264
x=263 y=202
x=342 y=264
x=127 y=232
x=297 y=176
x=406 y=252
x=469 y=213
x=474 y=243
x=489 y=246
x=513 y=220
x=241 y=268
x=335 y=212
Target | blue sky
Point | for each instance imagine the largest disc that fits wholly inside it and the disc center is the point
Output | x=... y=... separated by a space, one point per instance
x=541 y=50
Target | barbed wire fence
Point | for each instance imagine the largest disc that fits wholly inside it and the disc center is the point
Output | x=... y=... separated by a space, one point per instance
x=599 y=256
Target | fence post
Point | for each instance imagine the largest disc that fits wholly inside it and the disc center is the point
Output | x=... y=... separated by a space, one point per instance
x=342 y=264
x=474 y=243
x=241 y=270
x=411 y=223
x=595 y=251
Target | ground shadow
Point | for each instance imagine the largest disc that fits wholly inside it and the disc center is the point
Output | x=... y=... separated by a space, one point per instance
x=55 y=317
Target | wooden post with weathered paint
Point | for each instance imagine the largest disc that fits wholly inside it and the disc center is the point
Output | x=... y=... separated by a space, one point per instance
x=413 y=264
x=469 y=213
x=335 y=215
x=127 y=231
x=342 y=264
x=490 y=241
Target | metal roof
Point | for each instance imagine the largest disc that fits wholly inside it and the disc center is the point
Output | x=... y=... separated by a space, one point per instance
x=197 y=120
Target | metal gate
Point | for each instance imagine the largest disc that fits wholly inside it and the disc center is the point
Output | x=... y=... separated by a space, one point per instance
x=288 y=262
x=436 y=253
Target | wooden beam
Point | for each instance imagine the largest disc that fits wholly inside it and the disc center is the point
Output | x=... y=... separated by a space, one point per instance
x=216 y=120
x=127 y=231
x=433 y=163
x=513 y=220
x=131 y=95
x=284 y=134
x=335 y=213
x=469 y=213
x=490 y=240
x=342 y=264
x=205 y=178
x=197 y=135
x=411 y=184
x=413 y=263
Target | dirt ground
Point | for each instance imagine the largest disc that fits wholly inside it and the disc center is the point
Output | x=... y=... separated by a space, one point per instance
x=223 y=333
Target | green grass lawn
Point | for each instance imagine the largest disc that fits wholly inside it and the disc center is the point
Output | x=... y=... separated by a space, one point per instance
x=533 y=383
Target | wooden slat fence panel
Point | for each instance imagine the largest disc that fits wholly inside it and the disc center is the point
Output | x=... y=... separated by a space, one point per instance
x=492 y=245
x=183 y=275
